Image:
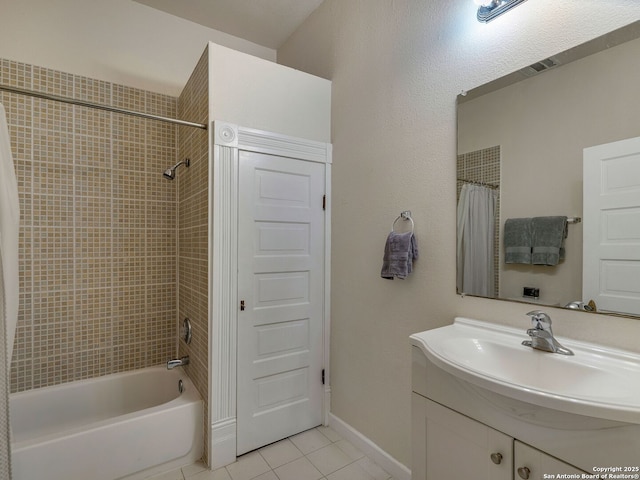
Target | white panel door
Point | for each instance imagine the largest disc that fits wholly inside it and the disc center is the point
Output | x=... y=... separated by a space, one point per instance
x=281 y=294
x=611 y=195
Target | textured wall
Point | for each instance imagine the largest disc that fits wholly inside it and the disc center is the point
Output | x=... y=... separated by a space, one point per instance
x=193 y=191
x=397 y=67
x=98 y=228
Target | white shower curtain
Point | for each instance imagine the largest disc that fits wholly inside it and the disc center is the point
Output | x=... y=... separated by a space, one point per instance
x=9 y=226
x=475 y=246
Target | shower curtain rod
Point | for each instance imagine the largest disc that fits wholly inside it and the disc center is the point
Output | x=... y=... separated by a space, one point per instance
x=473 y=182
x=99 y=106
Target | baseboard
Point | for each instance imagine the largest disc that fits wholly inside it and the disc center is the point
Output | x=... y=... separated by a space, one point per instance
x=370 y=449
x=326 y=405
x=222 y=450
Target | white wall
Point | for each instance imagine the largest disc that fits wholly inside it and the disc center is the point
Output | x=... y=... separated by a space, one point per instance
x=256 y=93
x=396 y=68
x=118 y=41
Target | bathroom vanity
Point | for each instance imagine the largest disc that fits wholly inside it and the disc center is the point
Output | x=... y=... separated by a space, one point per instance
x=484 y=406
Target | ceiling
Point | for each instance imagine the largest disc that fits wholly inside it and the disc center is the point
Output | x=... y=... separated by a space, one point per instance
x=265 y=22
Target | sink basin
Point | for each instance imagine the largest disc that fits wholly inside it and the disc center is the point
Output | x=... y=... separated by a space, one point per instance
x=597 y=381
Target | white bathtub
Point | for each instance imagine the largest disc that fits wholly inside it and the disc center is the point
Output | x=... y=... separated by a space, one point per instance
x=129 y=425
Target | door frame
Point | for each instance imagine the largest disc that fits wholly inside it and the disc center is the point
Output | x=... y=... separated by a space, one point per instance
x=226 y=140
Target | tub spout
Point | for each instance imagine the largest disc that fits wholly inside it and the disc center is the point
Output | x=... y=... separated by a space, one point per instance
x=178 y=362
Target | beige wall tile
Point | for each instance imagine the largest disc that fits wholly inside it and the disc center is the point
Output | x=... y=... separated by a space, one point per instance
x=98 y=228
x=193 y=201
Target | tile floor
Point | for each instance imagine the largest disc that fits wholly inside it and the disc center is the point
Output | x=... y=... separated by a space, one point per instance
x=317 y=454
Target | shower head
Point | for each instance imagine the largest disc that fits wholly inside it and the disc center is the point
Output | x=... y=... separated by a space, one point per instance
x=170 y=173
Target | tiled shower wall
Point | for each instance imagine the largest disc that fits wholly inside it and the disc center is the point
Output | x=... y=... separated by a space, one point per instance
x=98 y=228
x=483 y=166
x=193 y=198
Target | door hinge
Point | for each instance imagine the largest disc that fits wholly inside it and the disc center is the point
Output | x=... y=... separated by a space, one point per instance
x=324 y=202
x=242 y=305
x=323 y=376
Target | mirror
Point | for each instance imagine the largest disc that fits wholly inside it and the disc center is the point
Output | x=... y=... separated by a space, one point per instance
x=521 y=141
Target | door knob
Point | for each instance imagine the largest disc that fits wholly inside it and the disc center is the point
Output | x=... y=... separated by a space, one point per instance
x=524 y=472
x=496 y=458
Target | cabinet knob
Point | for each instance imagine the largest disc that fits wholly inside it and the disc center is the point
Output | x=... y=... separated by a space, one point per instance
x=524 y=472
x=496 y=458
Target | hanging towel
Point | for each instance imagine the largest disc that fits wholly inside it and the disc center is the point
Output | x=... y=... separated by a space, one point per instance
x=400 y=250
x=517 y=240
x=548 y=240
x=9 y=228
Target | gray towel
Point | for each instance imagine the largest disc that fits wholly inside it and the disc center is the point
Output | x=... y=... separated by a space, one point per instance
x=517 y=240
x=548 y=240
x=400 y=250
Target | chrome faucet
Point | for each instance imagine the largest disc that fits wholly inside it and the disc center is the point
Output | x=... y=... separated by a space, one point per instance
x=178 y=362
x=542 y=336
x=578 y=305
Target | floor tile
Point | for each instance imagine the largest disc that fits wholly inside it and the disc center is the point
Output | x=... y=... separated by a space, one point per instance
x=317 y=454
x=352 y=471
x=170 y=475
x=310 y=441
x=329 y=459
x=330 y=433
x=220 y=474
x=300 y=469
x=248 y=466
x=270 y=475
x=267 y=476
x=373 y=469
x=194 y=468
x=280 y=453
x=352 y=452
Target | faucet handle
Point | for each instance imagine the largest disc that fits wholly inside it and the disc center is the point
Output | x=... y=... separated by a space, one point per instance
x=539 y=319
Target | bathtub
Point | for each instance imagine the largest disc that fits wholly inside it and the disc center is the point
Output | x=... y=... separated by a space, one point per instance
x=128 y=425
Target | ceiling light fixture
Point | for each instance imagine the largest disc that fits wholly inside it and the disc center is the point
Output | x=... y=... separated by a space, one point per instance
x=490 y=9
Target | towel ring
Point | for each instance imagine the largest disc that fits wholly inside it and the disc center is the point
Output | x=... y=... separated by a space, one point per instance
x=406 y=215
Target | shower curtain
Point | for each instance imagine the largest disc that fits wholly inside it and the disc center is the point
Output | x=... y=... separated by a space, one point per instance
x=476 y=221
x=9 y=226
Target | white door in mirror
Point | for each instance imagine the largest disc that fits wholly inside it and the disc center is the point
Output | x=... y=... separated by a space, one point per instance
x=611 y=211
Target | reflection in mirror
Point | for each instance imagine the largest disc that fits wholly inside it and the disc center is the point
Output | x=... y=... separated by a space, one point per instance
x=524 y=142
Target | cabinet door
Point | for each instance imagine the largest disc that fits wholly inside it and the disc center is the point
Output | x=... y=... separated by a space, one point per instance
x=458 y=447
x=533 y=464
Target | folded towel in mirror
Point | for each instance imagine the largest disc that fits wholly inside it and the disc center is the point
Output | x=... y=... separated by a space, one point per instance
x=400 y=250
x=517 y=240
x=548 y=234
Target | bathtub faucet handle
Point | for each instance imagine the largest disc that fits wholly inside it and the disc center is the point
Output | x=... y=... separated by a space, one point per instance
x=178 y=362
